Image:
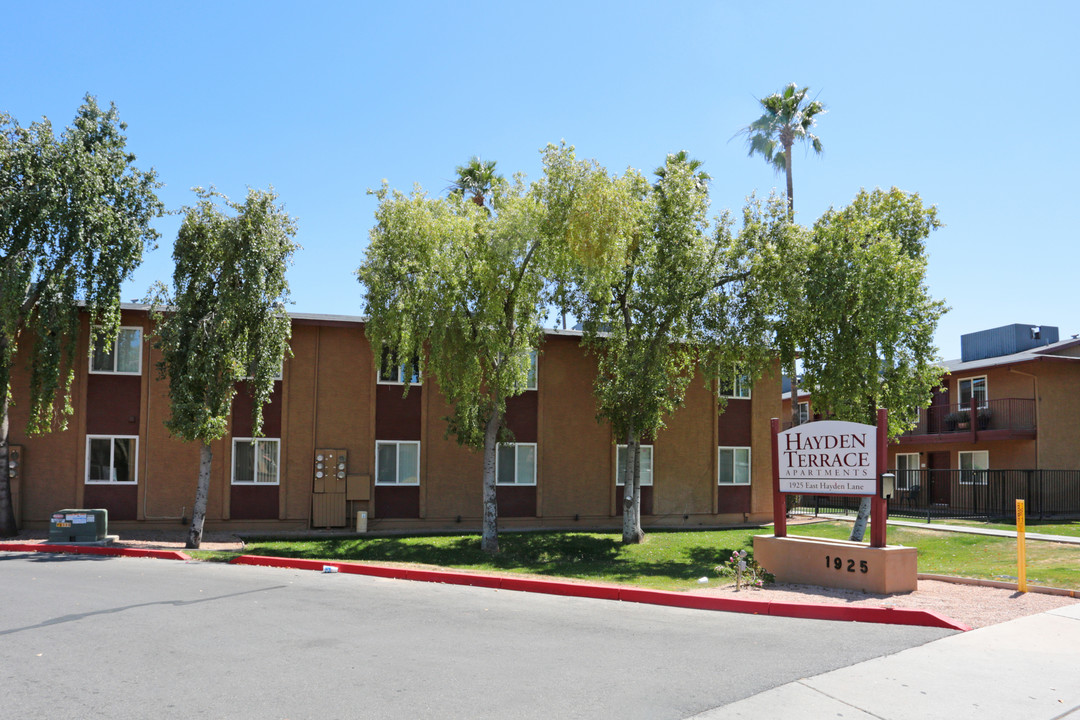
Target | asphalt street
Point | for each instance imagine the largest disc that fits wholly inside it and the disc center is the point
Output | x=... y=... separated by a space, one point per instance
x=117 y=638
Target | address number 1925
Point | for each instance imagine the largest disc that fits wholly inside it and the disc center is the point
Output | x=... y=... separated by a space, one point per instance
x=838 y=563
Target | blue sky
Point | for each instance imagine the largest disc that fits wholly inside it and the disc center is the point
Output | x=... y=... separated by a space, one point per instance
x=962 y=102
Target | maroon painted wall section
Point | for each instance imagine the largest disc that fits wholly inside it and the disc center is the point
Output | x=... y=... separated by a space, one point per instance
x=646 y=499
x=398 y=418
x=243 y=404
x=734 y=424
x=734 y=499
x=122 y=501
x=516 y=501
x=397 y=502
x=253 y=502
x=112 y=404
x=521 y=412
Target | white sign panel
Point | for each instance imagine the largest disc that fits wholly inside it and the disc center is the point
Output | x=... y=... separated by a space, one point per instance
x=829 y=457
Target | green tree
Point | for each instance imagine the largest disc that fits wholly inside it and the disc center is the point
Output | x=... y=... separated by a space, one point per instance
x=461 y=287
x=476 y=180
x=788 y=118
x=660 y=291
x=224 y=321
x=75 y=216
x=870 y=343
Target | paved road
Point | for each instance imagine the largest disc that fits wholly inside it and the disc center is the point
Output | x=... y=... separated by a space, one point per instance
x=120 y=638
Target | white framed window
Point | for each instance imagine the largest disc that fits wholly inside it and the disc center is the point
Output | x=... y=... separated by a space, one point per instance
x=736 y=387
x=397 y=462
x=112 y=459
x=907 y=467
x=280 y=374
x=804 y=412
x=392 y=372
x=530 y=384
x=515 y=464
x=124 y=355
x=973 y=466
x=974 y=387
x=255 y=461
x=645 y=461
x=733 y=466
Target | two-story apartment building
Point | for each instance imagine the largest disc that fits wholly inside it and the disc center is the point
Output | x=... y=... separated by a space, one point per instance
x=341 y=438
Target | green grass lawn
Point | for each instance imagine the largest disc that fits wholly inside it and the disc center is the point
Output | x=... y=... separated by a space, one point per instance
x=976 y=556
x=672 y=560
x=666 y=560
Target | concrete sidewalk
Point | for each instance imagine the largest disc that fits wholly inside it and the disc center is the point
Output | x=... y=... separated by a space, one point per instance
x=969 y=529
x=1026 y=668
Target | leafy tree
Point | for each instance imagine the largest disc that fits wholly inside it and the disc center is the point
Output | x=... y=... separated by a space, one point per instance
x=461 y=287
x=225 y=320
x=476 y=180
x=870 y=342
x=661 y=293
x=75 y=216
x=788 y=118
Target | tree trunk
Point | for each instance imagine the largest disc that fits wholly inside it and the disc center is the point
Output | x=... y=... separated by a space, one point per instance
x=632 y=532
x=8 y=528
x=859 y=528
x=202 y=491
x=794 y=391
x=489 y=536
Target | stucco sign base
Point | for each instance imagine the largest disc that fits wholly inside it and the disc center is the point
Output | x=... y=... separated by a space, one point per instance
x=838 y=563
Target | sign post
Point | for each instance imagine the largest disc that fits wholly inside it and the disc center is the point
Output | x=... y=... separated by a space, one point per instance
x=779 y=500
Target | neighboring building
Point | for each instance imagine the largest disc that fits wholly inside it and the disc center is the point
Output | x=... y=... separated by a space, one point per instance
x=341 y=439
x=1009 y=403
x=806 y=408
x=1004 y=426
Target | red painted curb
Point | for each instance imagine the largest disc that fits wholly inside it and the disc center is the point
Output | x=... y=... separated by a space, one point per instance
x=881 y=615
x=94 y=550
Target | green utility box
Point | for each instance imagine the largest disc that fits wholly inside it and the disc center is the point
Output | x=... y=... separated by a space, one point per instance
x=68 y=526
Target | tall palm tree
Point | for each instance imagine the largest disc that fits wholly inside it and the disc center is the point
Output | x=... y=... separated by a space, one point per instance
x=475 y=180
x=788 y=117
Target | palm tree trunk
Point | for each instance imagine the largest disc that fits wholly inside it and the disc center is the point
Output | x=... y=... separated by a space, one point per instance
x=489 y=537
x=790 y=185
x=202 y=492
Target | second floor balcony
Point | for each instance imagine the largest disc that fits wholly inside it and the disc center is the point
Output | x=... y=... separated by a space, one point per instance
x=1003 y=419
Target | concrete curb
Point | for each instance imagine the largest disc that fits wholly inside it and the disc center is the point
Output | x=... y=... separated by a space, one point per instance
x=883 y=615
x=94 y=550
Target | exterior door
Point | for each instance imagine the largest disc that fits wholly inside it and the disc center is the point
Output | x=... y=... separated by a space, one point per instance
x=940 y=477
x=939 y=408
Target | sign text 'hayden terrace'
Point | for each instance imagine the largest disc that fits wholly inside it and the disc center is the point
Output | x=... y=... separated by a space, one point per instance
x=828 y=457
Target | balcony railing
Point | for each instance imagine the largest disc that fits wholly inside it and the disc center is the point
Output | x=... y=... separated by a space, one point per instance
x=927 y=494
x=1016 y=416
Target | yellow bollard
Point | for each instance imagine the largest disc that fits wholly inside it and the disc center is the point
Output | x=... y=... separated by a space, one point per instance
x=1021 y=575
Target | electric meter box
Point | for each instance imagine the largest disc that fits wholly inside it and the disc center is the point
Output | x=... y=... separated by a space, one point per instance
x=66 y=526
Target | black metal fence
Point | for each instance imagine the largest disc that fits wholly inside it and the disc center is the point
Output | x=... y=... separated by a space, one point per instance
x=925 y=494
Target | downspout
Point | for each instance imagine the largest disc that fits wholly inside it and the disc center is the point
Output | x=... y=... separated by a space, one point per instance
x=1035 y=390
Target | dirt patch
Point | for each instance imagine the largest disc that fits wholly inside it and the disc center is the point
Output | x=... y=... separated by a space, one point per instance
x=972 y=605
